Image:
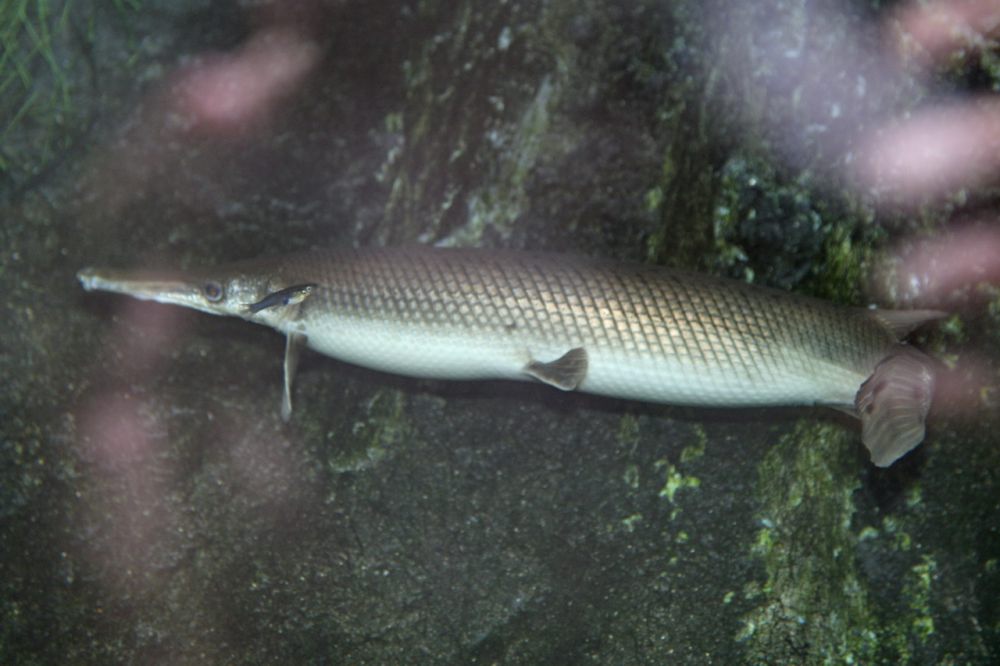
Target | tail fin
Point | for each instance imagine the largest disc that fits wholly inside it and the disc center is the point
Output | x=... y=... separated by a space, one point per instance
x=893 y=404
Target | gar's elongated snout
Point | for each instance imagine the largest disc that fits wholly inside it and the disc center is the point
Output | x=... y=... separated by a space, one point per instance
x=161 y=287
x=623 y=330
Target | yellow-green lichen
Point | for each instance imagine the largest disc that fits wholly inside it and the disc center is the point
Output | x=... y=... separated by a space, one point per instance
x=901 y=539
x=847 y=256
x=654 y=199
x=953 y=328
x=631 y=476
x=811 y=601
x=628 y=431
x=630 y=522
x=918 y=592
x=868 y=532
x=696 y=450
x=674 y=480
x=813 y=605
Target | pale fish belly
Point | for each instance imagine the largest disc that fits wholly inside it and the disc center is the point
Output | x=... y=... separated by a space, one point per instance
x=657 y=379
x=448 y=353
x=417 y=351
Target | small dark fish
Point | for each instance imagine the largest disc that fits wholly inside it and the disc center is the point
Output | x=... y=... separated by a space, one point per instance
x=287 y=296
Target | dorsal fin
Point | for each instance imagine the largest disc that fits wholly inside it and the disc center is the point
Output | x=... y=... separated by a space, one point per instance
x=903 y=322
x=893 y=404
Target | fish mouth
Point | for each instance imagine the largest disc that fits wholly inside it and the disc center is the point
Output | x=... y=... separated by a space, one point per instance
x=132 y=283
x=162 y=287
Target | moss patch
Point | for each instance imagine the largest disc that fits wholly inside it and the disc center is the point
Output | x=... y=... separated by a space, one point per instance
x=814 y=605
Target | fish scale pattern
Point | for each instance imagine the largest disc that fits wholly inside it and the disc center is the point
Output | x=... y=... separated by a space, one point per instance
x=649 y=312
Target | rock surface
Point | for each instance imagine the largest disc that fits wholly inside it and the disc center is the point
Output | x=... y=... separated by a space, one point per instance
x=153 y=507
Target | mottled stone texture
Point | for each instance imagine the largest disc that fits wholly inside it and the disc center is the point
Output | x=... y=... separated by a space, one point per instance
x=154 y=509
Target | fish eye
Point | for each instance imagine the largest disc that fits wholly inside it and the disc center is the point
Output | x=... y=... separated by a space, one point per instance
x=212 y=291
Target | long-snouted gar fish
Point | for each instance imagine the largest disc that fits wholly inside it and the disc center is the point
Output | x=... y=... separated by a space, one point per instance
x=622 y=330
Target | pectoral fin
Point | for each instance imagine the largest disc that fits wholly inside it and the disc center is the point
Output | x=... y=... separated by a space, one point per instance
x=893 y=404
x=566 y=372
x=293 y=345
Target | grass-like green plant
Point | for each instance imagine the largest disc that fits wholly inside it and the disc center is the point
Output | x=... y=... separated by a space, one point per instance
x=34 y=88
x=39 y=65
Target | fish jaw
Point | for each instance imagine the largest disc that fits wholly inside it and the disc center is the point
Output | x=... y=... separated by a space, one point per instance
x=216 y=295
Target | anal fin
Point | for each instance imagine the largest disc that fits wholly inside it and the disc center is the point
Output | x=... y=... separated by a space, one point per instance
x=893 y=404
x=566 y=372
x=293 y=346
